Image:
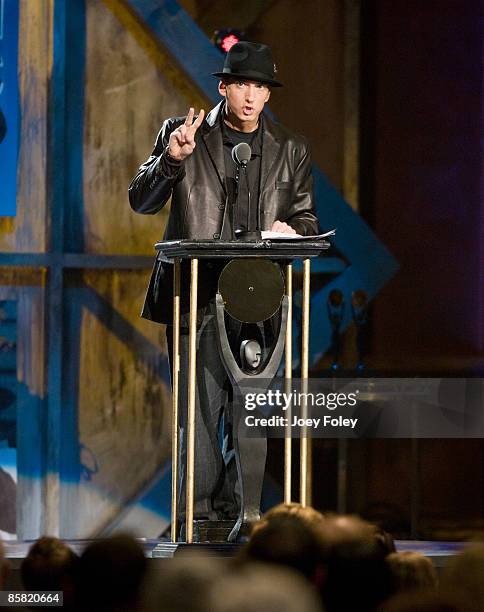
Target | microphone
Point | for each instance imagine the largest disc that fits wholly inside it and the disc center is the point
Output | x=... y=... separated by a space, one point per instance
x=241 y=154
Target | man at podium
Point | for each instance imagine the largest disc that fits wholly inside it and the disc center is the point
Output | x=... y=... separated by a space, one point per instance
x=193 y=161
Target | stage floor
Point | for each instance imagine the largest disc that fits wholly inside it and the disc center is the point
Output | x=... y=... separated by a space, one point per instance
x=438 y=552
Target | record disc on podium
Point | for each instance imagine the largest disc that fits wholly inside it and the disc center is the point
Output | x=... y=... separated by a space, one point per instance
x=252 y=289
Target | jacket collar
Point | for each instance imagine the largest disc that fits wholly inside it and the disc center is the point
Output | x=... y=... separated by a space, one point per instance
x=212 y=119
x=212 y=135
x=271 y=145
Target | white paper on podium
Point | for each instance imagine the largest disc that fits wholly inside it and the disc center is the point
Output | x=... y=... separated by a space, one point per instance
x=268 y=235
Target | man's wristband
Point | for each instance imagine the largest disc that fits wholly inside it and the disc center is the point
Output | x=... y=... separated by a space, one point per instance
x=167 y=166
x=169 y=159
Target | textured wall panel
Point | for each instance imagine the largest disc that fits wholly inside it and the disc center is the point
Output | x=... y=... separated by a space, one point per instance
x=126 y=101
x=27 y=232
x=123 y=396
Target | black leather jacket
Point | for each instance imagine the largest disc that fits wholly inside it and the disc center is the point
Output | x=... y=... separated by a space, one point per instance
x=199 y=197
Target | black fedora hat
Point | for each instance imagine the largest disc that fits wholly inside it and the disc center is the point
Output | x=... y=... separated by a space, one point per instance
x=252 y=61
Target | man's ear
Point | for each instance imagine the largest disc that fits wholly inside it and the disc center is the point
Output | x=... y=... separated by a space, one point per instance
x=222 y=88
x=268 y=96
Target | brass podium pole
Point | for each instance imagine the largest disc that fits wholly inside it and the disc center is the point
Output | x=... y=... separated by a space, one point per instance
x=288 y=380
x=304 y=465
x=174 y=414
x=192 y=371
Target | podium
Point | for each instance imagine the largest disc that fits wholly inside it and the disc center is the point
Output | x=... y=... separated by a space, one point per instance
x=282 y=251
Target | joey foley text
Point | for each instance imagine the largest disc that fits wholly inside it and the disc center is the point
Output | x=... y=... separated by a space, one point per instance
x=275 y=400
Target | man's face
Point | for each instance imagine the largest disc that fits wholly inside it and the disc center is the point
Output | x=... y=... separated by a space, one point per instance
x=245 y=99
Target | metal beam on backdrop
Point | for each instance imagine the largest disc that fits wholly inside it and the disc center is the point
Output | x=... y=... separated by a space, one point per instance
x=64 y=180
x=119 y=326
x=371 y=265
x=77 y=261
x=74 y=65
x=9 y=105
x=87 y=261
x=164 y=61
x=78 y=299
x=175 y=30
x=55 y=191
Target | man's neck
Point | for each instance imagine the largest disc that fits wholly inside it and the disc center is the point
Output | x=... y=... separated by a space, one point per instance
x=239 y=126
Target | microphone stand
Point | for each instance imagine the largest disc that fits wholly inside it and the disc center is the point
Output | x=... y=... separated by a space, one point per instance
x=247 y=234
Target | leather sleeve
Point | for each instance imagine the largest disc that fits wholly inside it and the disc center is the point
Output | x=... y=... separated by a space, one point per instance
x=302 y=214
x=151 y=188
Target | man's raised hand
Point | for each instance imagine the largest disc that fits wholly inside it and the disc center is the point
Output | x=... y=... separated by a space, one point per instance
x=182 y=140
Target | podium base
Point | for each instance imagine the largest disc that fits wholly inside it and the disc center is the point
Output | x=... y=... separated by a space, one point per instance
x=209 y=532
x=167 y=550
x=208 y=536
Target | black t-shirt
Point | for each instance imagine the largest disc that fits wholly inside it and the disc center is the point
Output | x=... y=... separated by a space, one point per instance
x=237 y=191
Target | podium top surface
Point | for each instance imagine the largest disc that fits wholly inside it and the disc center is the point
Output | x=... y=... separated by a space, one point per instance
x=228 y=249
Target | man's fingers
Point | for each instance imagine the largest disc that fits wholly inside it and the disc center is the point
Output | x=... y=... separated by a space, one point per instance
x=179 y=138
x=189 y=119
x=182 y=130
x=184 y=135
x=190 y=135
x=287 y=228
x=282 y=226
x=199 y=120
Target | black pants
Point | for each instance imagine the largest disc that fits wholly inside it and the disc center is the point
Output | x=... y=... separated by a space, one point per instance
x=229 y=467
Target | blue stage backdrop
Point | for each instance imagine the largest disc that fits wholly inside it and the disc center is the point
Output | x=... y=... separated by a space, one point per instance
x=9 y=102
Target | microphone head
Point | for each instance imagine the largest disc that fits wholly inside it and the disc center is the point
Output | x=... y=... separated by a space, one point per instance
x=241 y=154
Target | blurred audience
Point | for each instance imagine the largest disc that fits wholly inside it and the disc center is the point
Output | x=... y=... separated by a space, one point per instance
x=109 y=575
x=384 y=541
x=424 y=601
x=297 y=560
x=412 y=570
x=292 y=540
x=262 y=588
x=357 y=575
x=50 y=566
x=46 y=564
x=464 y=574
x=183 y=583
x=306 y=513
